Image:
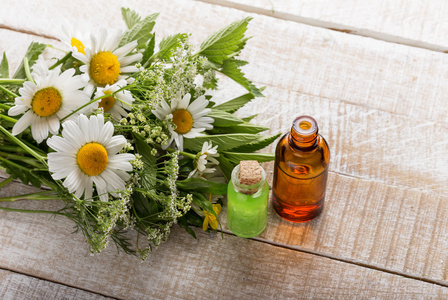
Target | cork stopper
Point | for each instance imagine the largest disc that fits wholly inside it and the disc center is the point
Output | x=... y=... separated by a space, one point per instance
x=250 y=172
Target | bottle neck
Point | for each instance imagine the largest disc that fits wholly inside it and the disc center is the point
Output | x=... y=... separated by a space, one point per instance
x=304 y=133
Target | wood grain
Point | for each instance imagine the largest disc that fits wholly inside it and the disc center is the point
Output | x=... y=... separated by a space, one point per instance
x=414 y=23
x=185 y=268
x=19 y=286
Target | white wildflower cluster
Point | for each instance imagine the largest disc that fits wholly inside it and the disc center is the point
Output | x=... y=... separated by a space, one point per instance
x=137 y=163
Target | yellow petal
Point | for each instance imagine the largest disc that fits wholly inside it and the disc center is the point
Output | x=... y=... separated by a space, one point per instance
x=214 y=223
x=217 y=208
x=205 y=224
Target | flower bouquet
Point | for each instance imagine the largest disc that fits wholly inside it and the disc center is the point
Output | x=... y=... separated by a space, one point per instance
x=126 y=133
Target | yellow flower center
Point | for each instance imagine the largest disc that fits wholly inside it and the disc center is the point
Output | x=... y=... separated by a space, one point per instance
x=78 y=44
x=46 y=102
x=104 y=68
x=107 y=102
x=92 y=159
x=183 y=120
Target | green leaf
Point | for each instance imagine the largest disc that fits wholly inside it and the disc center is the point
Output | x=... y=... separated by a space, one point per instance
x=149 y=51
x=225 y=43
x=233 y=105
x=149 y=172
x=130 y=17
x=231 y=68
x=248 y=119
x=260 y=157
x=258 y=144
x=226 y=167
x=200 y=200
x=239 y=128
x=145 y=207
x=183 y=222
x=202 y=185
x=223 y=118
x=140 y=32
x=33 y=52
x=168 y=45
x=224 y=141
x=4 y=67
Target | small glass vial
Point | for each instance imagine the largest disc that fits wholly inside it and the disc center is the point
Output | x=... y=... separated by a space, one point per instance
x=302 y=157
x=247 y=200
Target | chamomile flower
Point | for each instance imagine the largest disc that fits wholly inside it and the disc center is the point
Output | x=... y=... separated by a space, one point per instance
x=190 y=118
x=116 y=104
x=105 y=63
x=207 y=154
x=74 y=38
x=87 y=154
x=45 y=103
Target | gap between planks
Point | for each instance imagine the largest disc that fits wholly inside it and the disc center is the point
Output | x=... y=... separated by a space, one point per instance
x=345 y=260
x=329 y=25
x=60 y=283
x=29 y=32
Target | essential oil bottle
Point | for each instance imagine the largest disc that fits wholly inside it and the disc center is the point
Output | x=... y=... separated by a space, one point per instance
x=302 y=157
x=247 y=200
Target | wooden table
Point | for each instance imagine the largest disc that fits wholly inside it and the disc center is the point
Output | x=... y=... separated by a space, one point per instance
x=374 y=75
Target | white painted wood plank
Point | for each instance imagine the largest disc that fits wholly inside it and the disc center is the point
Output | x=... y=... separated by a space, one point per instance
x=18 y=286
x=297 y=57
x=416 y=23
x=185 y=268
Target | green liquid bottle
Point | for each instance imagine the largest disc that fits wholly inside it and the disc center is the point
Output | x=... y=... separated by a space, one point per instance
x=247 y=201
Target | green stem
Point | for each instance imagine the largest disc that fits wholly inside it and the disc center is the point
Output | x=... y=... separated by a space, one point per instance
x=93 y=101
x=4 y=106
x=12 y=120
x=21 y=144
x=5 y=182
x=26 y=65
x=61 y=61
x=25 y=159
x=13 y=164
x=190 y=155
x=32 y=196
x=8 y=92
x=11 y=80
x=31 y=211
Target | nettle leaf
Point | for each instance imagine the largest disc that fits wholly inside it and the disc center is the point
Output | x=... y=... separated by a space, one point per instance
x=202 y=185
x=233 y=105
x=140 y=32
x=250 y=118
x=224 y=141
x=149 y=51
x=223 y=119
x=260 y=157
x=202 y=202
x=146 y=207
x=225 y=43
x=33 y=52
x=231 y=68
x=4 y=67
x=225 y=166
x=130 y=17
x=149 y=172
x=259 y=144
x=239 y=128
x=168 y=45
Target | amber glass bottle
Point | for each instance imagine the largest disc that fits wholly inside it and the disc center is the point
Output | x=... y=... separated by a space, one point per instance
x=300 y=173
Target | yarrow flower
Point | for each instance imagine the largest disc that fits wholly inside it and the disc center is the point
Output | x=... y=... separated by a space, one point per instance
x=45 y=103
x=105 y=63
x=208 y=153
x=87 y=153
x=116 y=104
x=190 y=118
